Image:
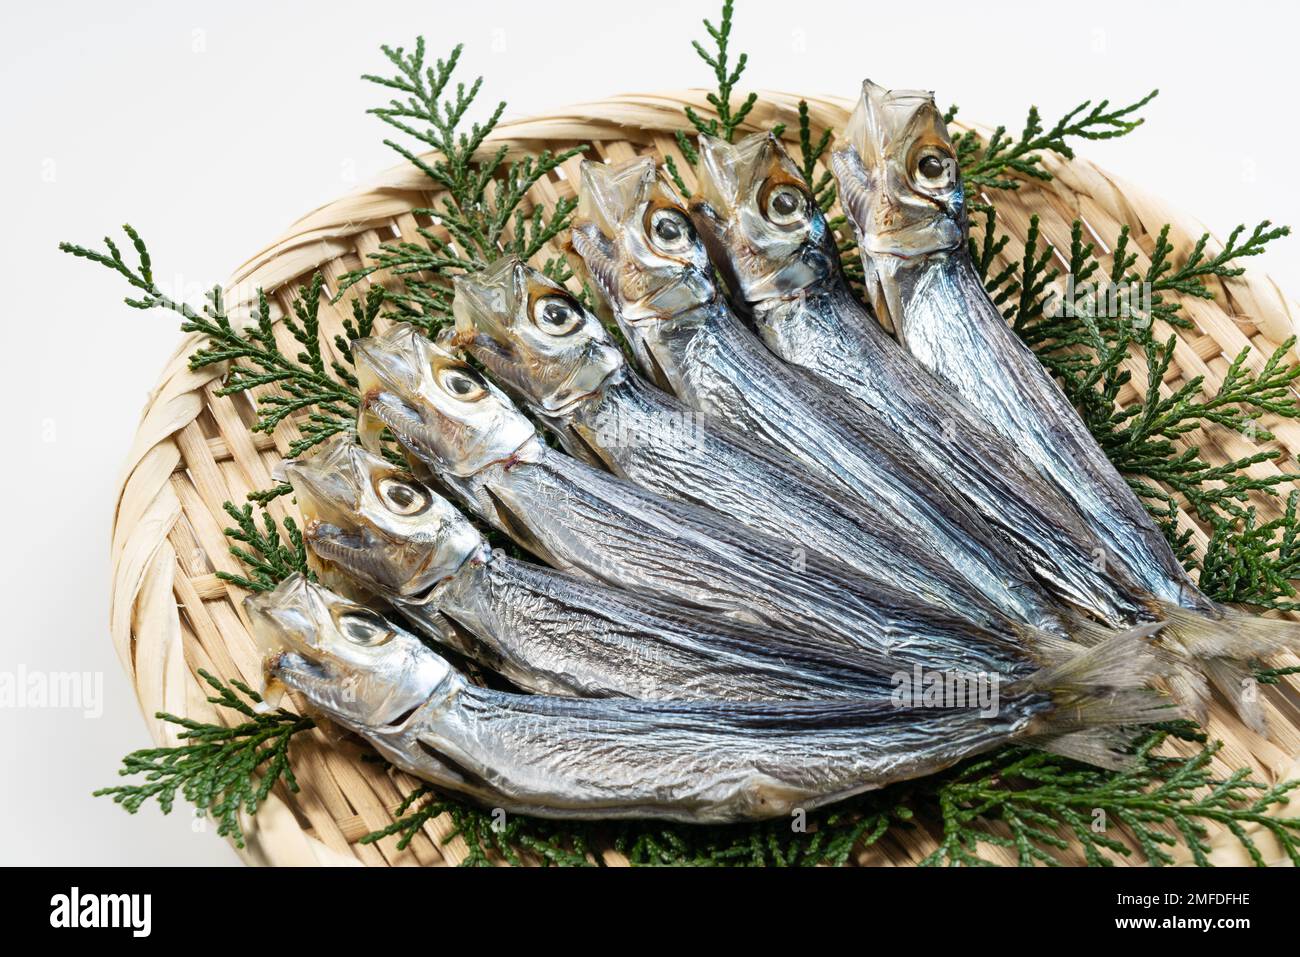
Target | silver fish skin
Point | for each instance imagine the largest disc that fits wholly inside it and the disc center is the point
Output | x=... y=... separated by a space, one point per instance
x=911 y=229
x=703 y=761
x=538 y=341
x=782 y=265
x=583 y=520
x=688 y=340
x=546 y=631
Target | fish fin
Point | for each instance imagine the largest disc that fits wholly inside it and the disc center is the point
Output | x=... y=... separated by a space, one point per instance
x=654 y=371
x=1123 y=661
x=1085 y=633
x=1191 y=689
x=578 y=443
x=1235 y=680
x=855 y=187
x=1098 y=692
x=1182 y=675
x=509 y=521
x=1103 y=747
x=1233 y=634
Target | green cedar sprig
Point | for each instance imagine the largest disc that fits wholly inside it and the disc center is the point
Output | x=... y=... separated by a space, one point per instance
x=218 y=769
x=729 y=117
x=271 y=553
x=823 y=187
x=993 y=164
x=1085 y=339
x=483 y=204
x=491 y=835
x=304 y=383
x=1057 y=805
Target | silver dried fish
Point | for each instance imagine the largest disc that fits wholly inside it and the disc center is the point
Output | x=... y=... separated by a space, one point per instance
x=557 y=358
x=546 y=631
x=581 y=519
x=770 y=240
x=901 y=189
x=642 y=253
x=677 y=760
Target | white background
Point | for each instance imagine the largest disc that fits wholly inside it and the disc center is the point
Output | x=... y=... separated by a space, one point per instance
x=212 y=126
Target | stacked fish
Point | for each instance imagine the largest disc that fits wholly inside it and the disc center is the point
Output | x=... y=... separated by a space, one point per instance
x=782 y=557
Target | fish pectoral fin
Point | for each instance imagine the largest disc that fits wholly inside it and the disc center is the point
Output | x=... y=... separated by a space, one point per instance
x=656 y=374
x=592 y=453
x=510 y=522
x=762 y=796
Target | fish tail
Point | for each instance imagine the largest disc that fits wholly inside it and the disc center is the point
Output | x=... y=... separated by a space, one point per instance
x=1182 y=675
x=1099 y=692
x=1235 y=680
x=1230 y=633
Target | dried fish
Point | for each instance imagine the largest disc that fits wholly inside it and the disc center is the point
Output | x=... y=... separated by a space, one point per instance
x=677 y=760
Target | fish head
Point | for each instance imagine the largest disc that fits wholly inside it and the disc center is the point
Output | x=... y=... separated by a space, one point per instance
x=350 y=662
x=759 y=221
x=533 y=336
x=440 y=408
x=898 y=177
x=378 y=524
x=636 y=244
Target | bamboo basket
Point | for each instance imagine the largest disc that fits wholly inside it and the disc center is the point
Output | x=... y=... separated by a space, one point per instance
x=171 y=615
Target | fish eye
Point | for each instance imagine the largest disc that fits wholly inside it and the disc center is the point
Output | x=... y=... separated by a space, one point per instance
x=461 y=382
x=556 y=315
x=364 y=627
x=786 y=205
x=402 y=498
x=935 y=170
x=670 y=230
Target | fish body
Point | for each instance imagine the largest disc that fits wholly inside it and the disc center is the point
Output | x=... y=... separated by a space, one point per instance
x=537 y=340
x=688 y=340
x=901 y=190
x=782 y=265
x=704 y=761
x=583 y=520
x=546 y=631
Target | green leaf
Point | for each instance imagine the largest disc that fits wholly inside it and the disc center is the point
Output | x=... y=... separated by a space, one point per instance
x=221 y=770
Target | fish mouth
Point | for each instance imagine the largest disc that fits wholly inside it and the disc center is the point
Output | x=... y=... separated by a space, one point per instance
x=314 y=678
x=792 y=278
x=353 y=552
x=283 y=619
x=390 y=365
x=599 y=365
x=595 y=251
x=295 y=662
x=426 y=443
x=321 y=493
x=686 y=291
x=403 y=420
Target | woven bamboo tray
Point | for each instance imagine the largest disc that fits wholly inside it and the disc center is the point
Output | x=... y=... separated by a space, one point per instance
x=171 y=615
